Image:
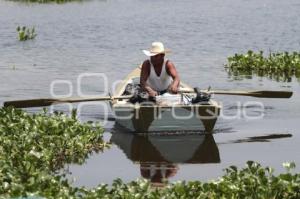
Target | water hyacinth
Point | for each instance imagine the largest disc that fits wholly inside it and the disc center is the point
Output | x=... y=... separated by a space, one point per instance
x=34 y=147
x=25 y=33
x=48 y=1
x=253 y=181
x=276 y=66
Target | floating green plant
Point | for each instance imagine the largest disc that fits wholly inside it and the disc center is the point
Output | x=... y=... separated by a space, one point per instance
x=253 y=181
x=13 y=67
x=25 y=33
x=48 y=1
x=34 y=146
x=277 y=66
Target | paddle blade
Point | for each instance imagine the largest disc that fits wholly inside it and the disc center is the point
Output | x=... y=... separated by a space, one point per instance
x=29 y=103
x=261 y=94
x=273 y=94
x=49 y=101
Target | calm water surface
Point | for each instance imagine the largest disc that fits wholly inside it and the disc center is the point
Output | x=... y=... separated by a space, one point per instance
x=107 y=37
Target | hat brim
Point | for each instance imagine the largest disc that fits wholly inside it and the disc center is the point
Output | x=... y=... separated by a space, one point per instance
x=150 y=54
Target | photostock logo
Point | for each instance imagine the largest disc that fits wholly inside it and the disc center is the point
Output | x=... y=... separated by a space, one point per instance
x=248 y=110
x=56 y=87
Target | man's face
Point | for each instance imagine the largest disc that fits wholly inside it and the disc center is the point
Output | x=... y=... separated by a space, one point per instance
x=157 y=58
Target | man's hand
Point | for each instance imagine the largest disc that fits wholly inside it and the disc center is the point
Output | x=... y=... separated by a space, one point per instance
x=173 y=88
x=152 y=93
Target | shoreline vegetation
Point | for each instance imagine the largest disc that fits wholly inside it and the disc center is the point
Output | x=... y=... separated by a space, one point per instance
x=279 y=66
x=48 y=1
x=35 y=146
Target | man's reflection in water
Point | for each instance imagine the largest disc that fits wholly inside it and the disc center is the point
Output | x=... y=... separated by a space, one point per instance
x=160 y=155
x=158 y=173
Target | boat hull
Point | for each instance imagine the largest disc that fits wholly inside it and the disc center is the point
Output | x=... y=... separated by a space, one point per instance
x=141 y=119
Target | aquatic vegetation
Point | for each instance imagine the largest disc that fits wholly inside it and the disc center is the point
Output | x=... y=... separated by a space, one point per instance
x=253 y=181
x=25 y=33
x=13 y=67
x=277 y=66
x=34 y=147
x=47 y=1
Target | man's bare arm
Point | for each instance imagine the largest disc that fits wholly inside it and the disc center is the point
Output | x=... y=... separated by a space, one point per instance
x=171 y=70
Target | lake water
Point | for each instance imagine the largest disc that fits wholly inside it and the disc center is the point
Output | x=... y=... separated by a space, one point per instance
x=108 y=36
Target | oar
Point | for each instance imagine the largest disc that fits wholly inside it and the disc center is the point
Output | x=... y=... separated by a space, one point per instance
x=259 y=93
x=50 y=101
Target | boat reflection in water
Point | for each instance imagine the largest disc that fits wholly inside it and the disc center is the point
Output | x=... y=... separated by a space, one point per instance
x=159 y=155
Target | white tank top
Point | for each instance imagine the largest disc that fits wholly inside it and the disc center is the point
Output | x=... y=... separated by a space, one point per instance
x=159 y=83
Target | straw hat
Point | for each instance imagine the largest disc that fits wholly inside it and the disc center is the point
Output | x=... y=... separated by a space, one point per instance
x=156 y=48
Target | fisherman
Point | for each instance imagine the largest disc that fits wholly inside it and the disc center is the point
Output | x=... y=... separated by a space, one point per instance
x=158 y=75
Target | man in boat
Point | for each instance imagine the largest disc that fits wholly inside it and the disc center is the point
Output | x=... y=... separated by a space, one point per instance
x=158 y=75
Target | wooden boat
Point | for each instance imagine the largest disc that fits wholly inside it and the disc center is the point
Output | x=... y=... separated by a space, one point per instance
x=150 y=117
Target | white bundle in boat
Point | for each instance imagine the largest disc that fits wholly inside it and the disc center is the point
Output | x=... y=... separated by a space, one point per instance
x=168 y=99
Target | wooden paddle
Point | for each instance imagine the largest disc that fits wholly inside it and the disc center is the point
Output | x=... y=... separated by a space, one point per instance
x=50 y=101
x=261 y=93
